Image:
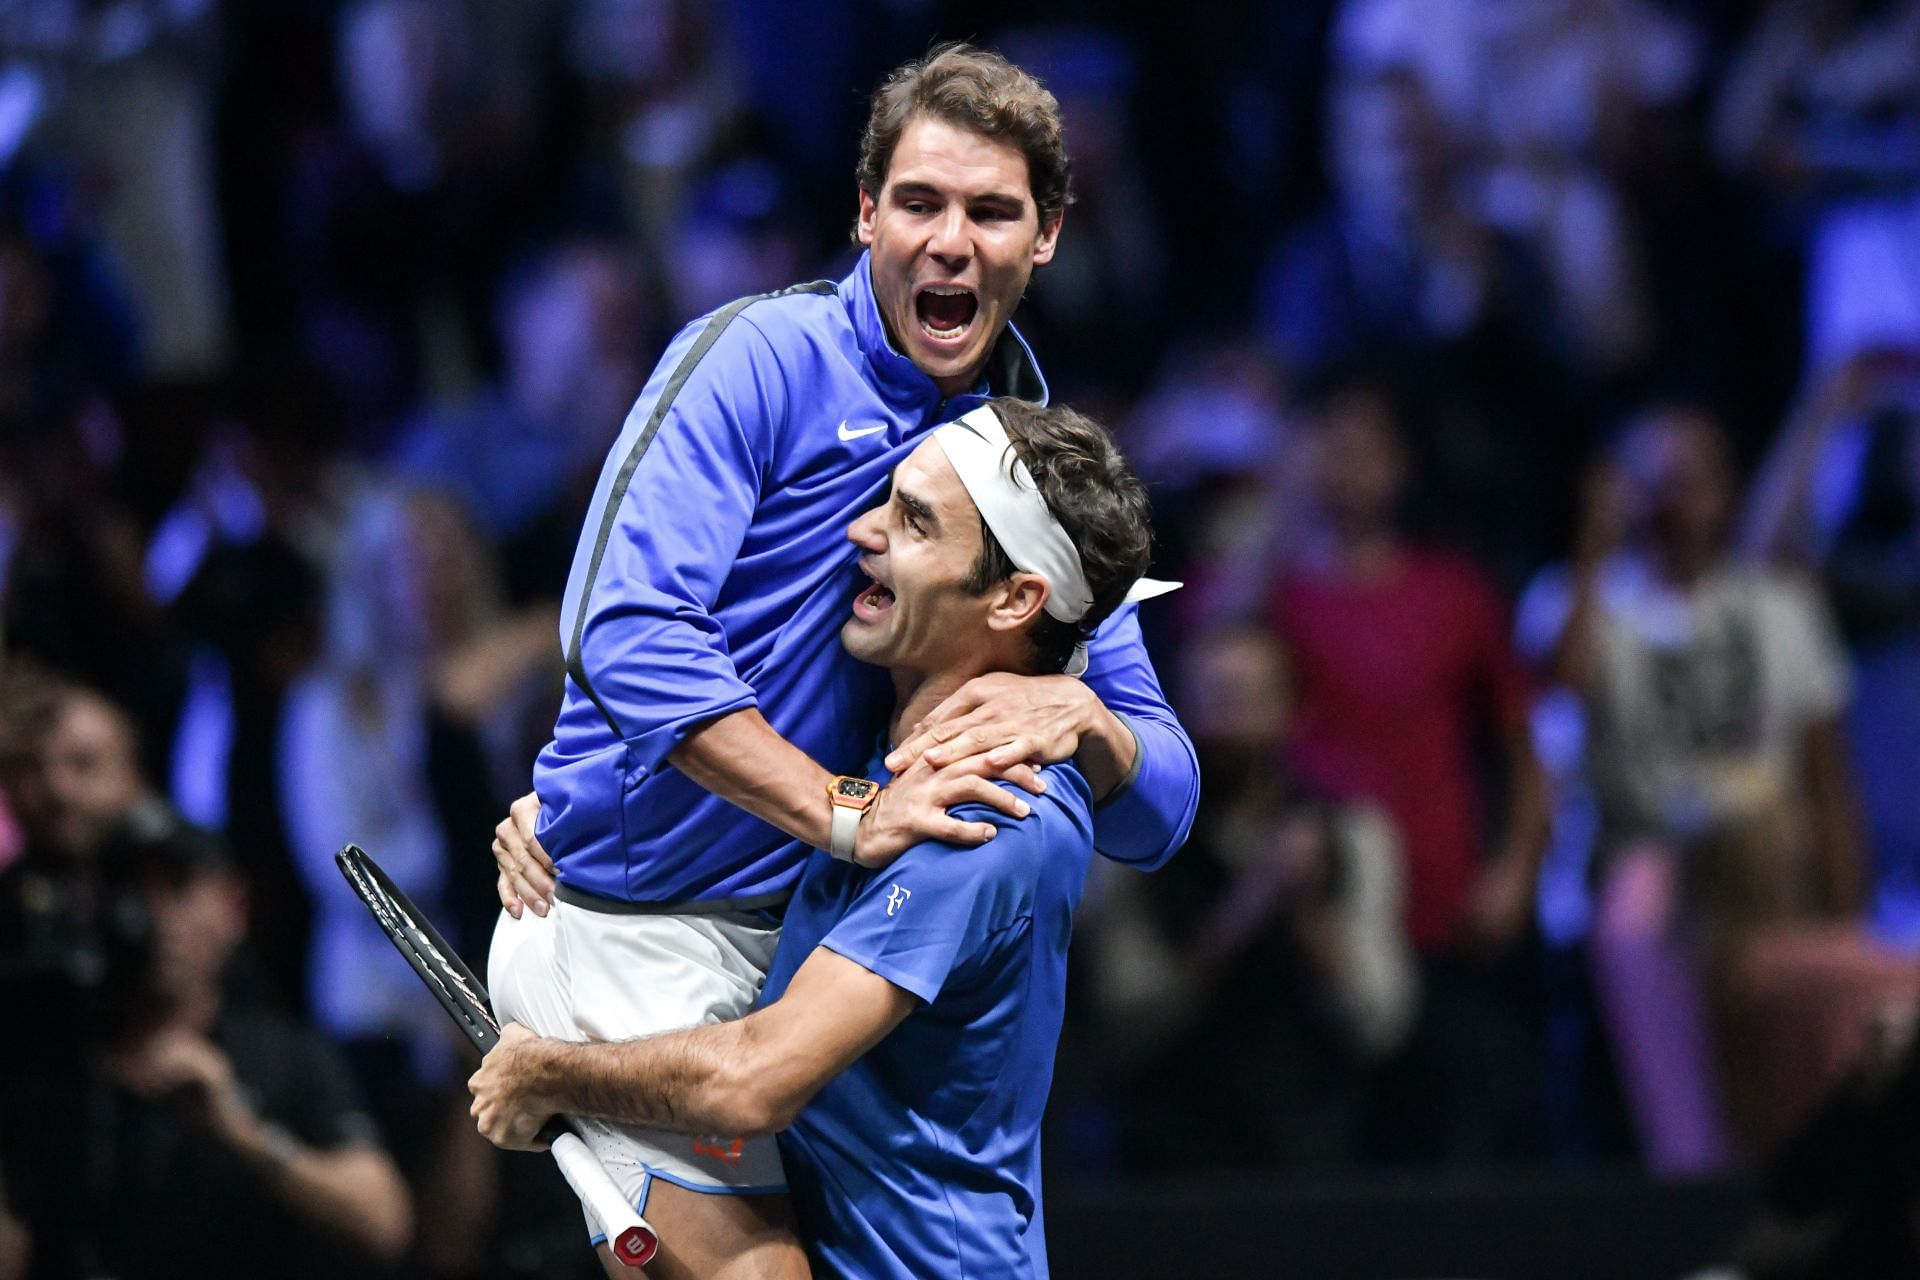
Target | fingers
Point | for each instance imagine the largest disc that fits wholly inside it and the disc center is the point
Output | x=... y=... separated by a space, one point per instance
x=941 y=724
x=526 y=872
x=519 y=844
x=954 y=831
x=911 y=748
x=1014 y=755
x=525 y=813
x=1022 y=775
x=973 y=789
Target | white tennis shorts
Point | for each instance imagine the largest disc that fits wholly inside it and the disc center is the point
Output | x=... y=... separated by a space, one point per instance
x=580 y=974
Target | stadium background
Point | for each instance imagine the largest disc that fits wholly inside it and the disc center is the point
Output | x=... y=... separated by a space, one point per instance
x=315 y=320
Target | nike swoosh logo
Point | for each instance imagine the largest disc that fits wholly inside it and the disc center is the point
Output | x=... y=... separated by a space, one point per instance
x=846 y=434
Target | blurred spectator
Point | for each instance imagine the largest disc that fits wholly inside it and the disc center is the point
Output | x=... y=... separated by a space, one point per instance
x=181 y=1103
x=1840 y=495
x=1823 y=100
x=1726 y=816
x=1099 y=316
x=662 y=100
x=1546 y=102
x=1402 y=658
x=732 y=237
x=1396 y=259
x=522 y=456
x=403 y=213
x=1249 y=985
x=69 y=763
x=379 y=746
x=77 y=597
x=384 y=744
x=1212 y=435
x=122 y=92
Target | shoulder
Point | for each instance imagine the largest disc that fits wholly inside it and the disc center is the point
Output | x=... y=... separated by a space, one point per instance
x=754 y=328
x=797 y=313
x=1031 y=854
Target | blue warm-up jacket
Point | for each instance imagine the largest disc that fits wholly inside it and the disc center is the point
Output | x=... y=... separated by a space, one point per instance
x=714 y=573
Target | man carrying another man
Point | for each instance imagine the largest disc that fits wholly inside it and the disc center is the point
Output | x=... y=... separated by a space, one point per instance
x=912 y=1012
x=709 y=707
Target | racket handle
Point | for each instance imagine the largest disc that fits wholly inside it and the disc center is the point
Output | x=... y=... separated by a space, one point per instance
x=634 y=1242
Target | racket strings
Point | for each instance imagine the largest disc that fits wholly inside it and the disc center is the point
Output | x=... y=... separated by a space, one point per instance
x=434 y=965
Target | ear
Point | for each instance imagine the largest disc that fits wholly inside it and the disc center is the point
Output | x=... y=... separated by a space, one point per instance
x=863 y=224
x=1017 y=602
x=1049 y=238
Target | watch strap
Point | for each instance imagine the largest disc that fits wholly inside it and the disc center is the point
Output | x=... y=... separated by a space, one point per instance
x=846 y=827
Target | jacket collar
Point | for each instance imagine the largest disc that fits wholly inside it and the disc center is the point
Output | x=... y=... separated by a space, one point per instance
x=1011 y=369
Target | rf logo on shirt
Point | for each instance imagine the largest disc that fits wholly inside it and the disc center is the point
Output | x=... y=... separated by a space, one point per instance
x=897 y=899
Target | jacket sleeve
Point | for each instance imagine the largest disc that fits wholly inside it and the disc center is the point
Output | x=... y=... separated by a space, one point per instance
x=1144 y=822
x=667 y=520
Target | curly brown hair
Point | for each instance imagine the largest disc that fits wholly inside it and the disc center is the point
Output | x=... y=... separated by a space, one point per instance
x=1094 y=494
x=980 y=91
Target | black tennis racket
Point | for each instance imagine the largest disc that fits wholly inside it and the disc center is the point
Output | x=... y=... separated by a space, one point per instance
x=461 y=994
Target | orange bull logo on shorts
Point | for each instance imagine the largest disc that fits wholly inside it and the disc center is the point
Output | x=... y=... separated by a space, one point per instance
x=726 y=1150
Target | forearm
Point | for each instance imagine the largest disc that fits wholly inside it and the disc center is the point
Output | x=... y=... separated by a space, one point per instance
x=1108 y=751
x=701 y=1080
x=1776 y=524
x=355 y=1193
x=744 y=760
x=1146 y=821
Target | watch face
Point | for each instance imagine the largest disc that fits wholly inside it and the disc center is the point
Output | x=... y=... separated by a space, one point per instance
x=854 y=788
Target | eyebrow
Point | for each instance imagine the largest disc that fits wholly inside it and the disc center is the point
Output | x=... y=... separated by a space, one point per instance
x=917 y=190
x=919 y=508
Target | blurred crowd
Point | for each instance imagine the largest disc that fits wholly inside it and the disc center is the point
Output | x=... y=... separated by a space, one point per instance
x=1530 y=394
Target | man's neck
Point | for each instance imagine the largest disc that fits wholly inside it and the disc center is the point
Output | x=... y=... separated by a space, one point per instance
x=948 y=388
x=916 y=694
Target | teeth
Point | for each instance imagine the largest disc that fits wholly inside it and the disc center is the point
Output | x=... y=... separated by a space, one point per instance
x=949 y=291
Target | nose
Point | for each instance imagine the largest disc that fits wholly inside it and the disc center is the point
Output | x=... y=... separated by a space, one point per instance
x=868 y=532
x=950 y=241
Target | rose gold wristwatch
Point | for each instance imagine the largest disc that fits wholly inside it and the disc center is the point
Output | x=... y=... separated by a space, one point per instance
x=851 y=798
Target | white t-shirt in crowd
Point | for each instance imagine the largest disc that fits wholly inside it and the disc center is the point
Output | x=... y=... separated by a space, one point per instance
x=1703 y=696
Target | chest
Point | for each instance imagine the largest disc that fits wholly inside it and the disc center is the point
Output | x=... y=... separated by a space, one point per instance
x=1392 y=647
x=833 y=460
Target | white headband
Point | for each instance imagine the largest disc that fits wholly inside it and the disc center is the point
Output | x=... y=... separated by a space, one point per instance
x=1002 y=488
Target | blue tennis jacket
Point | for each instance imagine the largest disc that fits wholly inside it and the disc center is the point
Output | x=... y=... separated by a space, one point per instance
x=714 y=573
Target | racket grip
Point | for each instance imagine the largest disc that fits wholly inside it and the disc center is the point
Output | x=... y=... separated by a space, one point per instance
x=633 y=1240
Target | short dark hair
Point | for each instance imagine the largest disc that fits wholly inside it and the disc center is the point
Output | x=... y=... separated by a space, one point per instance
x=979 y=91
x=1094 y=494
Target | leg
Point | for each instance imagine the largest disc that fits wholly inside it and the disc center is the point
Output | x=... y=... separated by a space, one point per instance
x=1656 y=1019
x=716 y=1237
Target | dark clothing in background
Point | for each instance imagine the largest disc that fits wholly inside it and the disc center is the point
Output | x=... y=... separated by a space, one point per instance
x=112 y=1184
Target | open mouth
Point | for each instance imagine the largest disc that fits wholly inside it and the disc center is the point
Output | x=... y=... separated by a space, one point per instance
x=946 y=312
x=874 y=602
